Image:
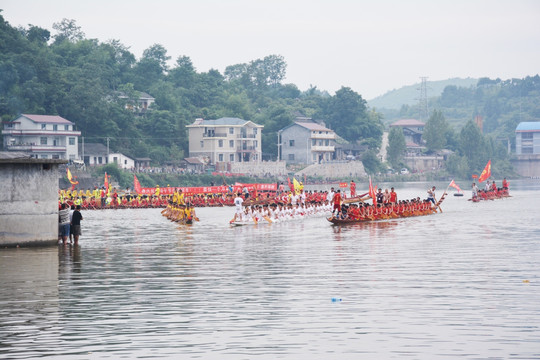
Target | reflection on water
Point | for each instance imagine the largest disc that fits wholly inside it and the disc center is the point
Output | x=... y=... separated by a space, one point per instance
x=443 y=286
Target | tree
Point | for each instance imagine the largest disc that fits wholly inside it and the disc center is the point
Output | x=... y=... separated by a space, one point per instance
x=68 y=30
x=371 y=162
x=471 y=146
x=396 y=146
x=435 y=131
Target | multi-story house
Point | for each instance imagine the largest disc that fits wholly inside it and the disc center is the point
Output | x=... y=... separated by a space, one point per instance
x=412 y=129
x=225 y=140
x=43 y=136
x=528 y=138
x=306 y=142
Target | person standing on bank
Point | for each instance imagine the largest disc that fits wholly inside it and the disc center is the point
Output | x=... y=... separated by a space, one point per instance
x=76 y=224
x=63 y=219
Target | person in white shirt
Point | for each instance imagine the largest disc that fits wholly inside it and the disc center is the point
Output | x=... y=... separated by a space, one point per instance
x=238 y=201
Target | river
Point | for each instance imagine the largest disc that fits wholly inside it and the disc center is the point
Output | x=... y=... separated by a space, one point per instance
x=464 y=283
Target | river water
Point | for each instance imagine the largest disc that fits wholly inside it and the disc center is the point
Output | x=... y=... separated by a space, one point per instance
x=461 y=284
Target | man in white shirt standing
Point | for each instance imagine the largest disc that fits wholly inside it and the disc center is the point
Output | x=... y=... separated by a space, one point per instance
x=238 y=201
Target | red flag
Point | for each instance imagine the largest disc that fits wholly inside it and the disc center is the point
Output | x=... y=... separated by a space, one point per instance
x=291 y=186
x=454 y=185
x=106 y=183
x=372 y=191
x=136 y=184
x=486 y=174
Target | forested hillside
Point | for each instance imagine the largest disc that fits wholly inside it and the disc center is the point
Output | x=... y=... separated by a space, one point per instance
x=94 y=84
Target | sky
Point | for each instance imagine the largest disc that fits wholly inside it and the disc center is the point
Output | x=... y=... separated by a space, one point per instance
x=370 y=46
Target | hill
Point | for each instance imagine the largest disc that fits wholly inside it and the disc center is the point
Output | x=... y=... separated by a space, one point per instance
x=408 y=95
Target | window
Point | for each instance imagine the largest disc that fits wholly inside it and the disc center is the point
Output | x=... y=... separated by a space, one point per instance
x=71 y=141
x=231 y=157
x=231 y=131
x=327 y=142
x=526 y=136
x=55 y=127
x=291 y=143
x=44 y=157
x=255 y=144
x=220 y=143
x=231 y=143
x=43 y=140
x=202 y=143
x=66 y=127
x=254 y=131
x=100 y=160
x=313 y=142
x=220 y=157
x=291 y=156
x=115 y=159
x=56 y=156
x=125 y=162
x=43 y=127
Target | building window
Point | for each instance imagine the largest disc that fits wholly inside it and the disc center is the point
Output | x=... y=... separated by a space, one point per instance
x=66 y=127
x=231 y=131
x=43 y=127
x=291 y=156
x=115 y=159
x=56 y=156
x=254 y=131
x=231 y=143
x=55 y=127
x=125 y=162
x=43 y=140
x=255 y=144
x=291 y=144
x=44 y=157
x=220 y=143
x=71 y=141
x=327 y=142
x=202 y=143
x=313 y=142
x=527 y=150
x=100 y=160
x=220 y=157
x=527 y=136
x=231 y=157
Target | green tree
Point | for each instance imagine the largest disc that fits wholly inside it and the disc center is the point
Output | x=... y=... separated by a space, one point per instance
x=68 y=30
x=435 y=131
x=372 y=163
x=396 y=146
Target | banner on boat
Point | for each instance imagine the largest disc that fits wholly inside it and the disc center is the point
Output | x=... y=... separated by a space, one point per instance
x=237 y=187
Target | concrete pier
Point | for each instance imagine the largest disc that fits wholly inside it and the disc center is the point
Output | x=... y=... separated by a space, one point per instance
x=28 y=200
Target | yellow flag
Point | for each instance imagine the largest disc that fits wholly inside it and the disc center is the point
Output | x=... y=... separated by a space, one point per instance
x=297 y=187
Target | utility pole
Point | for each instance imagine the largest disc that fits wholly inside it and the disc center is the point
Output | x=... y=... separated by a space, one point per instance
x=107 y=149
x=422 y=101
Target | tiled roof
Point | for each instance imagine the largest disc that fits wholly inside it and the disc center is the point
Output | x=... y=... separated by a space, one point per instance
x=313 y=126
x=408 y=122
x=528 y=126
x=193 y=160
x=221 y=121
x=49 y=119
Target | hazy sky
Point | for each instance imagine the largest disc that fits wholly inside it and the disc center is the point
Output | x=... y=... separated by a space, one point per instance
x=370 y=46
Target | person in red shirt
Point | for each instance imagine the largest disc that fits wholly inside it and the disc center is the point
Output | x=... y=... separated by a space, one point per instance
x=353 y=188
x=393 y=197
x=337 y=202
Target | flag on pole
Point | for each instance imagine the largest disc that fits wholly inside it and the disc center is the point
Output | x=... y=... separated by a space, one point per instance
x=455 y=186
x=106 y=183
x=486 y=174
x=136 y=184
x=296 y=186
x=70 y=177
x=372 y=191
x=290 y=184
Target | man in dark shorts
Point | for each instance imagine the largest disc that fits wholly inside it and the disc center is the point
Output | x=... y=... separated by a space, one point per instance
x=76 y=223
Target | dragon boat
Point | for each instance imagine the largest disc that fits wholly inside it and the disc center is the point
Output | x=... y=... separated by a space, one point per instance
x=393 y=216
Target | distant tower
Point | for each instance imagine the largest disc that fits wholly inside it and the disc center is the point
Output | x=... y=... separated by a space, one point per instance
x=422 y=101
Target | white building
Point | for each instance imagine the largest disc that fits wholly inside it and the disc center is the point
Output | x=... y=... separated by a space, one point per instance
x=306 y=142
x=43 y=136
x=123 y=161
x=225 y=140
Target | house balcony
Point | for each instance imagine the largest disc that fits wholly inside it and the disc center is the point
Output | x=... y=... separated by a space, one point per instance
x=38 y=132
x=318 y=148
x=246 y=136
x=214 y=135
x=36 y=148
x=330 y=136
x=246 y=148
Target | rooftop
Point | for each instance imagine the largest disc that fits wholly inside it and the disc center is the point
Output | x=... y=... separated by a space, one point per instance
x=313 y=126
x=221 y=121
x=14 y=157
x=528 y=126
x=408 y=122
x=49 y=119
